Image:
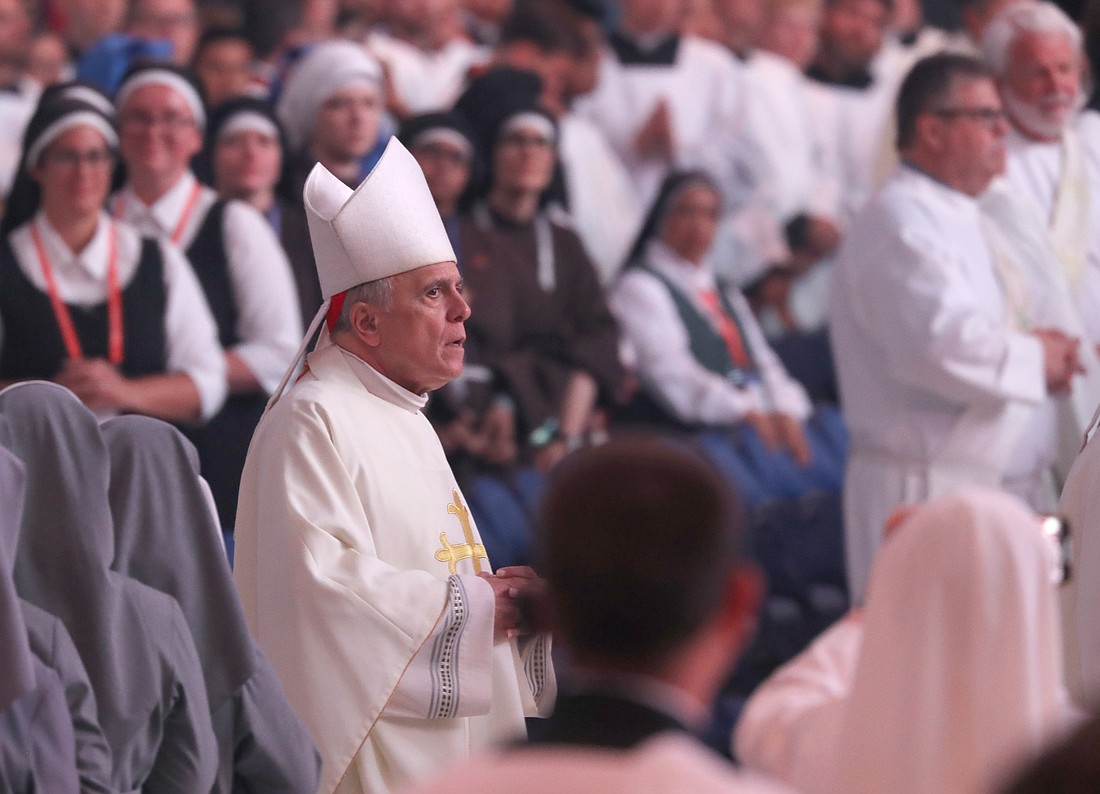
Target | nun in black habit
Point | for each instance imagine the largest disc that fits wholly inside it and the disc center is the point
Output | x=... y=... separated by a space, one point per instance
x=37 y=747
x=134 y=641
x=167 y=538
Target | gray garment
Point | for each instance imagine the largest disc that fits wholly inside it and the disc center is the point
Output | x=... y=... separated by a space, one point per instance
x=51 y=645
x=167 y=538
x=270 y=751
x=36 y=740
x=133 y=640
x=17 y=676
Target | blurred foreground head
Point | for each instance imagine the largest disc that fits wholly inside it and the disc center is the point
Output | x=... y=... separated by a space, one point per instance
x=640 y=543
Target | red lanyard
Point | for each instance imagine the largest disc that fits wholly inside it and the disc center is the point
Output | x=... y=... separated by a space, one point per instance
x=115 y=345
x=188 y=208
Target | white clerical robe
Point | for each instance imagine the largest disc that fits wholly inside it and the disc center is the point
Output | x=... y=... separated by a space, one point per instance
x=426 y=81
x=1059 y=182
x=938 y=385
x=355 y=559
x=705 y=95
x=604 y=208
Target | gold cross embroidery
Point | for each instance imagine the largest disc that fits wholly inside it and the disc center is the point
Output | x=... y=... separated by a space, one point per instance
x=451 y=554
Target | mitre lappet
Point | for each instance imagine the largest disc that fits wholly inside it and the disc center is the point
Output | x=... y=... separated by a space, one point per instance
x=386 y=226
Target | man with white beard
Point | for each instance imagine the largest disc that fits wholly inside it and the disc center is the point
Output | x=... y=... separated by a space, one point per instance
x=1053 y=150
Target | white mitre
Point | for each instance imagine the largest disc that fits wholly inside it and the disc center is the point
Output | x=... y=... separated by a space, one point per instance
x=386 y=226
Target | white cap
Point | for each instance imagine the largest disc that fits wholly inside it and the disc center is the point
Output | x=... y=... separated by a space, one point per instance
x=388 y=225
x=323 y=71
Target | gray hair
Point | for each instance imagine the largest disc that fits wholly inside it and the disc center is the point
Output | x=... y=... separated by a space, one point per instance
x=378 y=293
x=1042 y=17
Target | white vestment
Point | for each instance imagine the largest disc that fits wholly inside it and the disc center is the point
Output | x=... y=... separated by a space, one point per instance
x=355 y=559
x=426 y=81
x=1080 y=504
x=704 y=91
x=948 y=680
x=938 y=386
x=603 y=206
x=1064 y=185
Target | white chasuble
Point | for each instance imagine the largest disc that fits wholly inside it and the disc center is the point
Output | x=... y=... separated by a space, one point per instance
x=356 y=562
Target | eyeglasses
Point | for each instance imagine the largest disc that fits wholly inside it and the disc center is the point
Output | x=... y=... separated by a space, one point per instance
x=990 y=117
x=143 y=121
x=70 y=158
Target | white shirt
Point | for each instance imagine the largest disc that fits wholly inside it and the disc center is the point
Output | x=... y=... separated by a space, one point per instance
x=192 y=337
x=665 y=364
x=269 y=324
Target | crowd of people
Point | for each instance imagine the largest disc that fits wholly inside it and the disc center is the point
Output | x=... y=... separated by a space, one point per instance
x=278 y=279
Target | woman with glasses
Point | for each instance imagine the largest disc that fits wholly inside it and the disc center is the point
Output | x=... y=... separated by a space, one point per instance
x=234 y=252
x=85 y=300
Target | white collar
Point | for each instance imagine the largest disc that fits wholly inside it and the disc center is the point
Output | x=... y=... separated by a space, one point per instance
x=958 y=200
x=694 y=277
x=658 y=695
x=381 y=386
x=92 y=259
x=167 y=211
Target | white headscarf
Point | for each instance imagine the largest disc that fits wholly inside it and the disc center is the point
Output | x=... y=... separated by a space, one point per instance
x=329 y=67
x=960 y=671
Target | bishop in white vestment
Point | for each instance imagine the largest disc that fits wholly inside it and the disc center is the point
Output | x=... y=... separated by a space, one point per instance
x=357 y=557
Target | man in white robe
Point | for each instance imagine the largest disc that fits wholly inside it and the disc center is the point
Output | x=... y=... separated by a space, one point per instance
x=666 y=100
x=642 y=678
x=358 y=561
x=1053 y=152
x=943 y=380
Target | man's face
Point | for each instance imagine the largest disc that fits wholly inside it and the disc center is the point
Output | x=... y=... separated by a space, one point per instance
x=158 y=131
x=1042 y=85
x=247 y=162
x=792 y=33
x=347 y=123
x=420 y=337
x=524 y=160
x=969 y=135
x=174 y=20
x=446 y=169
x=852 y=31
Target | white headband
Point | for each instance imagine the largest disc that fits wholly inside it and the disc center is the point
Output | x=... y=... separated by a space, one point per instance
x=64 y=124
x=443 y=135
x=531 y=120
x=168 y=79
x=249 y=121
x=91 y=97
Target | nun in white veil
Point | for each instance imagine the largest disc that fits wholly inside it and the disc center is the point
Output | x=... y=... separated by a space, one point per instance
x=37 y=747
x=133 y=640
x=950 y=677
x=167 y=537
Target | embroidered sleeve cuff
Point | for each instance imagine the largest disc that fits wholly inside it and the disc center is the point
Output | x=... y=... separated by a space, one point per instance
x=451 y=674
